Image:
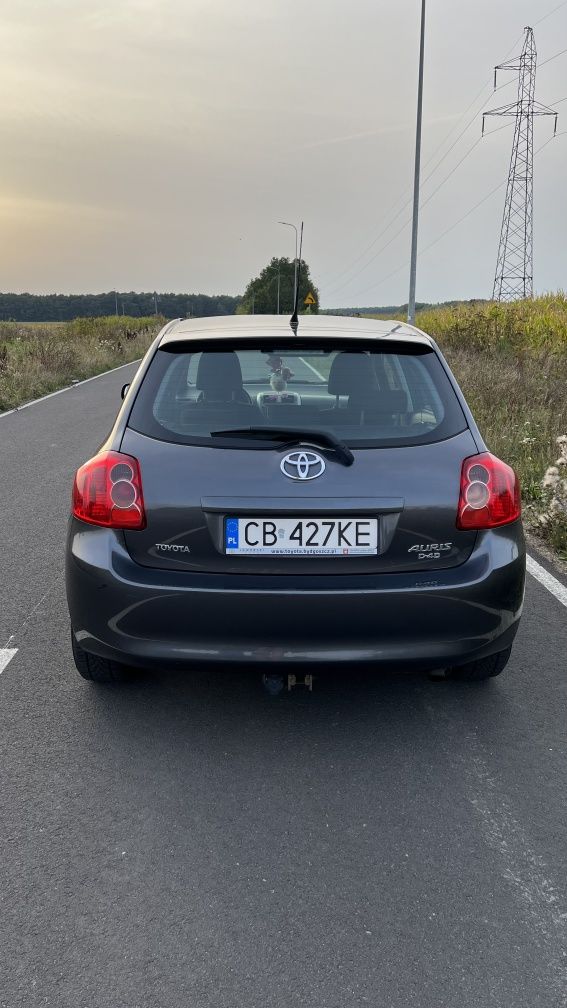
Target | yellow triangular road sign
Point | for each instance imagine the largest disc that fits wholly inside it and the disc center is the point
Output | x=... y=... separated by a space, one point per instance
x=310 y=299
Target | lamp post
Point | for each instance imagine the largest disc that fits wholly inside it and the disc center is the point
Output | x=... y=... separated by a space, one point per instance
x=415 y=220
x=285 y=224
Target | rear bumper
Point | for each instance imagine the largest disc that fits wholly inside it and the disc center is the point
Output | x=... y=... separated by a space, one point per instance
x=158 y=619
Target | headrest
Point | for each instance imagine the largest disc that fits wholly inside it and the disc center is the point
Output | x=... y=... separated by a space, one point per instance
x=219 y=373
x=389 y=401
x=352 y=374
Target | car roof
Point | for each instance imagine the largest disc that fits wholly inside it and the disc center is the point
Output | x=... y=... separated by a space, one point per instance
x=328 y=326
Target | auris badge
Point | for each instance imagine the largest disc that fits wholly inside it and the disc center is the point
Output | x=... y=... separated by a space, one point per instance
x=302 y=465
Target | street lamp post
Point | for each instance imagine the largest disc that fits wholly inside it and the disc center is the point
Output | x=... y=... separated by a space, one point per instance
x=415 y=220
x=285 y=224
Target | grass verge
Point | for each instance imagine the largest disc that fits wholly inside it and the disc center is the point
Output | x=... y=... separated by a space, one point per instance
x=511 y=362
x=37 y=359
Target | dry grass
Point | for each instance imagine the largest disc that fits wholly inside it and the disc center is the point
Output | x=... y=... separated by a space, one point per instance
x=511 y=362
x=520 y=404
x=538 y=326
x=37 y=359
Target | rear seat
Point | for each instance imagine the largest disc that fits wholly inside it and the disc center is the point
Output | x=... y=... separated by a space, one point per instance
x=222 y=400
x=382 y=404
x=352 y=375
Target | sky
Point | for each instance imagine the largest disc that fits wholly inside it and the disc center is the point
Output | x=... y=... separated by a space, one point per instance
x=155 y=144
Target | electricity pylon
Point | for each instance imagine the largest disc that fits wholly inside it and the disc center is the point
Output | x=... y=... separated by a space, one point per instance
x=514 y=269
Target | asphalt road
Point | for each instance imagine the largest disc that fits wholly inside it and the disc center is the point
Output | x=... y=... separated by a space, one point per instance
x=185 y=842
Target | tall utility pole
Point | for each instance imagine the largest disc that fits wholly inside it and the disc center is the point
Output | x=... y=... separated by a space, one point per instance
x=514 y=276
x=415 y=221
x=285 y=224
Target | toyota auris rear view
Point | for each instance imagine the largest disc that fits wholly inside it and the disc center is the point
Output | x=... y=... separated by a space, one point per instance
x=277 y=499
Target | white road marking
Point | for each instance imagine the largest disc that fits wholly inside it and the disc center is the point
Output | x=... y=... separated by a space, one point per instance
x=524 y=869
x=311 y=368
x=50 y=395
x=547 y=580
x=6 y=655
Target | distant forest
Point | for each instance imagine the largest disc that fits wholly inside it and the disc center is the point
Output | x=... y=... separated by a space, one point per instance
x=62 y=307
x=393 y=310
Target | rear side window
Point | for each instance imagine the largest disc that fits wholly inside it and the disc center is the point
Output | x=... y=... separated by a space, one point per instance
x=368 y=395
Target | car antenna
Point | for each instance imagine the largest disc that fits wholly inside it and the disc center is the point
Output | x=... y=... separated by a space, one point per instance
x=294 y=321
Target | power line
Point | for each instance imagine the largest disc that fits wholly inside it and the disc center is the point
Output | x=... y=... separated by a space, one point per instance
x=428 y=162
x=484 y=199
x=405 y=225
x=386 y=228
x=339 y=287
x=554 y=11
x=540 y=65
x=552 y=58
x=507 y=125
x=456 y=224
x=335 y=286
x=424 y=204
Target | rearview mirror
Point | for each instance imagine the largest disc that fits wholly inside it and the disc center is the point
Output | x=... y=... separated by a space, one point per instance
x=124 y=390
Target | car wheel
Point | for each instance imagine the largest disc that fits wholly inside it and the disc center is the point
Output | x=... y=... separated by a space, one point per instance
x=97 y=669
x=484 y=668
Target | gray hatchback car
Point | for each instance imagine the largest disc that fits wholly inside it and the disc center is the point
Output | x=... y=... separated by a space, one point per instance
x=289 y=500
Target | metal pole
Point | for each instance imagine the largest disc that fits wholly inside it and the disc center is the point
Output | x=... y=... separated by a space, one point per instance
x=413 y=262
x=278 y=309
x=285 y=224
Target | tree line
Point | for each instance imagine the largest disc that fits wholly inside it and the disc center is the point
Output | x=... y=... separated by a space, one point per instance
x=272 y=291
x=64 y=307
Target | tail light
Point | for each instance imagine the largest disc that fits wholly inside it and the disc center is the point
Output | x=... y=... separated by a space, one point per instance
x=108 y=491
x=490 y=493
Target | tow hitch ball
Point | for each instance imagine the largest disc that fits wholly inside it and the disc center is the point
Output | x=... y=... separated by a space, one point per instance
x=274 y=684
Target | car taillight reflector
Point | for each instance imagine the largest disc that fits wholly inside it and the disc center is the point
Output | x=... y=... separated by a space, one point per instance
x=108 y=491
x=490 y=493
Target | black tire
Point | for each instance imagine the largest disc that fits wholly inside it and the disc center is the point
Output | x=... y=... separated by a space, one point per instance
x=484 y=668
x=96 y=669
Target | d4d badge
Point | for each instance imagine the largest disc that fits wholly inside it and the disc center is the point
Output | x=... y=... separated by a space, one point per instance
x=430 y=551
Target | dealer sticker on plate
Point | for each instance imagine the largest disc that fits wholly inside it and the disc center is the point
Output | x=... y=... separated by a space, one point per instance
x=302 y=536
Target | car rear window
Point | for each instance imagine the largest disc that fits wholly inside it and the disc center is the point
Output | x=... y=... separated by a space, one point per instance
x=367 y=395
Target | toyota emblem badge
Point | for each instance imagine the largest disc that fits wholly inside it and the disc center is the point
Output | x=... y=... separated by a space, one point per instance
x=302 y=465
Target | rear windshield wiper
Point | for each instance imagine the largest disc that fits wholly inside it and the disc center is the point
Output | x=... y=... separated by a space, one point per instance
x=294 y=436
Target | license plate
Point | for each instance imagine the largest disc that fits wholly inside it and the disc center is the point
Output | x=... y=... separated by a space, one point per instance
x=302 y=536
